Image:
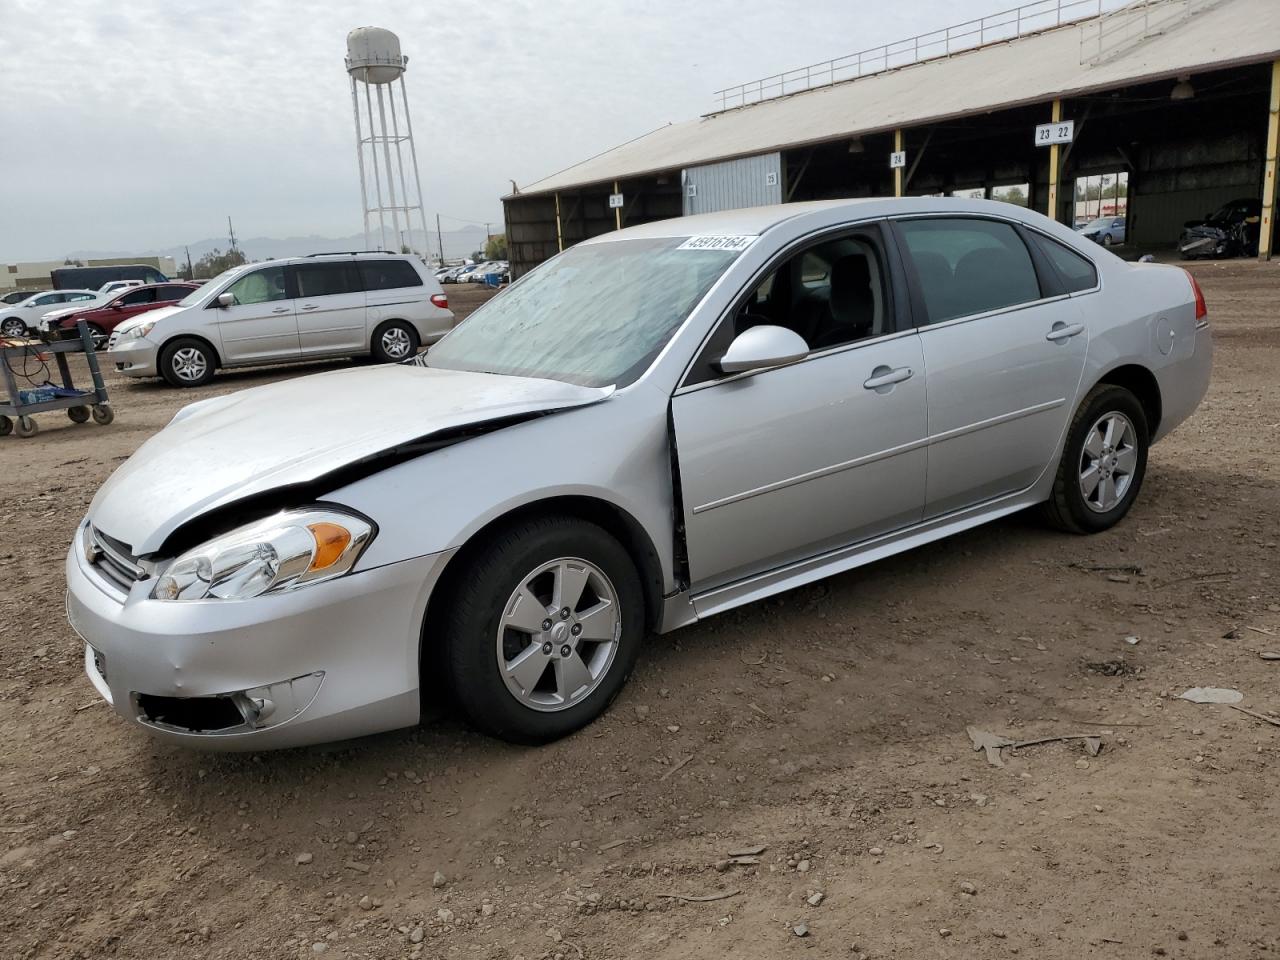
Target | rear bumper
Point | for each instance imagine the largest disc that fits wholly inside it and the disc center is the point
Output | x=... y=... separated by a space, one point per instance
x=328 y=662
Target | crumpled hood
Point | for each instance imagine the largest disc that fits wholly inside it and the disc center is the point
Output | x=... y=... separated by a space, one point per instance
x=224 y=449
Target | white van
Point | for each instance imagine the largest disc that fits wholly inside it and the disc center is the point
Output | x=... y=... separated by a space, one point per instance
x=303 y=308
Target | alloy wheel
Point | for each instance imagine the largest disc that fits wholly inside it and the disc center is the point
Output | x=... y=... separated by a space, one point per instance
x=1108 y=462
x=396 y=343
x=13 y=327
x=189 y=364
x=558 y=634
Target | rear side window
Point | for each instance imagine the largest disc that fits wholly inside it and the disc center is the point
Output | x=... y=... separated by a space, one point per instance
x=388 y=274
x=145 y=295
x=1077 y=272
x=967 y=266
x=172 y=293
x=323 y=279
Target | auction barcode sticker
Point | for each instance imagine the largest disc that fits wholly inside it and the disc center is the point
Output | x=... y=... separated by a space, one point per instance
x=717 y=243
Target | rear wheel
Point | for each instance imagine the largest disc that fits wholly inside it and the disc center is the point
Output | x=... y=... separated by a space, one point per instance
x=394 y=341
x=27 y=427
x=78 y=414
x=187 y=362
x=6 y=426
x=543 y=629
x=98 y=336
x=1103 y=463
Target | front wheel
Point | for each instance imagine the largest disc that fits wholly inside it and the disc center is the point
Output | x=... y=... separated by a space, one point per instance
x=394 y=341
x=1107 y=240
x=1103 y=463
x=187 y=362
x=543 y=629
x=99 y=336
x=13 y=327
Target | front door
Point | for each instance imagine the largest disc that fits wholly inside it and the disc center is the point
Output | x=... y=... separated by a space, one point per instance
x=1004 y=351
x=783 y=464
x=331 y=307
x=260 y=325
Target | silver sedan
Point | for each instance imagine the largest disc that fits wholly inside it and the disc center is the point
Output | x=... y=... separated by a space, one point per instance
x=657 y=425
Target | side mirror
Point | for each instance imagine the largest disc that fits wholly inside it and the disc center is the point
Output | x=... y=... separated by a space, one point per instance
x=117 y=305
x=763 y=346
x=226 y=300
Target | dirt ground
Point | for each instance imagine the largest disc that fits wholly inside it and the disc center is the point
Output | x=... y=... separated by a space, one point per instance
x=826 y=726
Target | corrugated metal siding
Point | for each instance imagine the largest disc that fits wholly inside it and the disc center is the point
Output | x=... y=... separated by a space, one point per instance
x=749 y=182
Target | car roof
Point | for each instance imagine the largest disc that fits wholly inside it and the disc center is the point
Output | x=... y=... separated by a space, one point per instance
x=753 y=221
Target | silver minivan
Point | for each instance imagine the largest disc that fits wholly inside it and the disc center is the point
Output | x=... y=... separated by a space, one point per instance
x=304 y=308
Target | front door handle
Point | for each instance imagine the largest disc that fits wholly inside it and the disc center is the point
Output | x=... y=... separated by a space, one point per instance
x=1064 y=331
x=280 y=310
x=886 y=377
x=311 y=306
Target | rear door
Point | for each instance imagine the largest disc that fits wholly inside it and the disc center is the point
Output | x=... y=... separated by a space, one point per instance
x=331 y=307
x=1004 y=346
x=260 y=324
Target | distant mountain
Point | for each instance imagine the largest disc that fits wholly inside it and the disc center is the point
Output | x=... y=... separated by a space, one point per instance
x=457 y=243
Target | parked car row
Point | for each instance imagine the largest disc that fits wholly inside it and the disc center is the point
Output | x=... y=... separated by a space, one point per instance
x=476 y=272
x=110 y=310
x=22 y=319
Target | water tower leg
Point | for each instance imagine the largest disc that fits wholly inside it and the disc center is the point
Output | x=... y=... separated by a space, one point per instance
x=364 y=193
x=413 y=156
x=373 y=155
x=391 y=184
x=404 y=190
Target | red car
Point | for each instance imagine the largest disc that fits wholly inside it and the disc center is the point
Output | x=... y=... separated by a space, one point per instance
x=104 y=316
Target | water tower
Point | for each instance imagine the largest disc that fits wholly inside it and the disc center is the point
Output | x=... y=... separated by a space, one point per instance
x=374 y=59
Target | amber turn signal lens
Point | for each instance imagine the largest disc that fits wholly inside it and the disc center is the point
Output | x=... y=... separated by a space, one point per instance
x=331 y=541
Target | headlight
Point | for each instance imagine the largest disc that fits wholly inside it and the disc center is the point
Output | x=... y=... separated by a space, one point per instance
x=134 y=333
x=280 y=553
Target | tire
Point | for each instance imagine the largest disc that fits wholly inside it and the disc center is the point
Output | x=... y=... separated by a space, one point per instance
x=6 y=426
x=541 y=703
x=99 y=336
x=78 y=414
x=394 y=341
x=187 y=362
x=26 y=427
x=1107 y=240
x=103 y=413
x=1123 y=463
x=12 y=327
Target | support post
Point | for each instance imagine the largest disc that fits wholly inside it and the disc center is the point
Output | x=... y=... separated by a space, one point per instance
x=897 y=171
x=364 y=193
x=559 y=228
x=1267 y=227
x=1053 y=166
x=617 y=211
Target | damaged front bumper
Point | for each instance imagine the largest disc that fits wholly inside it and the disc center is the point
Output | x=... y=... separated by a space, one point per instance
x=327 y=662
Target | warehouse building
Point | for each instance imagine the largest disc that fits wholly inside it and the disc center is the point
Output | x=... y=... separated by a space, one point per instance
x=1176 y=99
x=36 y=274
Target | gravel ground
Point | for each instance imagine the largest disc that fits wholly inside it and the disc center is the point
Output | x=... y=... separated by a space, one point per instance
x=825 y=727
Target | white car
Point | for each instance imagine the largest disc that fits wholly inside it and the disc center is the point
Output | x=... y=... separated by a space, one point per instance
x=303 y=308
x=112 y=285
x=23 y=318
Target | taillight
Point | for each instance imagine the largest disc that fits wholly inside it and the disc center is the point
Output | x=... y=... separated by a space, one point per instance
x=1201 y=310
x=441 y=301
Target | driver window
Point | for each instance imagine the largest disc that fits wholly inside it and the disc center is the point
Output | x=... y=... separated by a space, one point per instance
x=261 y=286
x=830 y=294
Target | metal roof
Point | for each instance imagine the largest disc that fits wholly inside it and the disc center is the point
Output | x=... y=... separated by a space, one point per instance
x=1027 y=70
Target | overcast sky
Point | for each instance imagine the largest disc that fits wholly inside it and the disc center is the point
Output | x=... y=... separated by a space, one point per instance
x=139 y=125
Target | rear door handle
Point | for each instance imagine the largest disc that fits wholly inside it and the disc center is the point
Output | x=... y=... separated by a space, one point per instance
x=280 y=310
x=311 y=306
x=1063 y=331
x=886 y=377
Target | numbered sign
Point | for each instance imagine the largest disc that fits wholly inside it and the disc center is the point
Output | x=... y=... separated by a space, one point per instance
x=897 y=159
x=1047 y=134
x=615 y=201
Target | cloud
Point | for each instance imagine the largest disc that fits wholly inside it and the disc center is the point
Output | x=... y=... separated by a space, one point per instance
x=147 y=124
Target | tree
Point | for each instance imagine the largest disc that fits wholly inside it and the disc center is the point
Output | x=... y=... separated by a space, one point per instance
x=495 y=248
x=1012 y=195
x=215 y=261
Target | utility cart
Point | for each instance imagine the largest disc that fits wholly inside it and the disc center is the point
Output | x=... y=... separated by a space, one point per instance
x=24 y=373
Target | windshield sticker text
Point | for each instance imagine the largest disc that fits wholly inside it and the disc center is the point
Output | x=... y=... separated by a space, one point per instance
x=717 y=243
